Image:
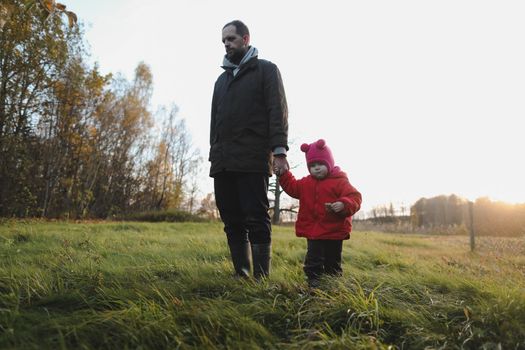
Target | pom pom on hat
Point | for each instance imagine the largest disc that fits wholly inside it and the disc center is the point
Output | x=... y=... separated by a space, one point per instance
x=318 y=152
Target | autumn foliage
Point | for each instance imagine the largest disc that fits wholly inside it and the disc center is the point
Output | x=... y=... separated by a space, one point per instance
x=75 y=142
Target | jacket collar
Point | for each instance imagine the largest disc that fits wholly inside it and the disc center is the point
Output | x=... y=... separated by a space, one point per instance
x=246 y=61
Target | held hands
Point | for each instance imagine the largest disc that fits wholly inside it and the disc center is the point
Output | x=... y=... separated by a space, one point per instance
x=280 y=165
x=335 y=207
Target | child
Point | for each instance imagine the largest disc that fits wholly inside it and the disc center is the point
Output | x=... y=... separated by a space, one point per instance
x=327 y=202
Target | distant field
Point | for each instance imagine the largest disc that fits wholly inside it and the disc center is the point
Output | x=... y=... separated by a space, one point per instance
x=169 y=286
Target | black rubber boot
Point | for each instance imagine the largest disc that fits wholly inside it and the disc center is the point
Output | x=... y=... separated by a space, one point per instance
x=240 y=254
x=261 y=255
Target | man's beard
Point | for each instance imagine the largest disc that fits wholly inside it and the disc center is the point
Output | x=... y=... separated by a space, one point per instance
x=236 y=56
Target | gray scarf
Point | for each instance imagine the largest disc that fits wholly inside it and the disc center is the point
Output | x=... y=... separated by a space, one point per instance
x=252 y=52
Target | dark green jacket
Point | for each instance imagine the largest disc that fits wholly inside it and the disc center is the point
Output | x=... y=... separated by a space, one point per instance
x=249 y=118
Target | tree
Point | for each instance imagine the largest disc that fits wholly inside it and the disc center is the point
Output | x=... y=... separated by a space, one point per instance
x=277 y=207
x=124 y=124
x=438 y=211
x=275 y=188
x=193 y=185
x=69 y=141
x=34 y=50
x=53 y=8
x=75 y=143
x=208 y=208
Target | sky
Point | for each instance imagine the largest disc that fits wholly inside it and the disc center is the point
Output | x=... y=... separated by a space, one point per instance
x=415 y=98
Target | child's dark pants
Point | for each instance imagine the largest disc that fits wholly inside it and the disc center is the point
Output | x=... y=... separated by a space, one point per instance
x=322 y=257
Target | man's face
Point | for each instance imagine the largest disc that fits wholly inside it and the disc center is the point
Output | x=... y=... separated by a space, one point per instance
x=234 y=44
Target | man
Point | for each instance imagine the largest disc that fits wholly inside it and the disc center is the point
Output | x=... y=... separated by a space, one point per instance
x=248 y=138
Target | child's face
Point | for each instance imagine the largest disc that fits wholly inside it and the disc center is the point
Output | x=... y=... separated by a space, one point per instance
x=318 y=170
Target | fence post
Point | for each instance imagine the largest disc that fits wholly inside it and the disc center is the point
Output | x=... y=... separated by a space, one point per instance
x=471 y=216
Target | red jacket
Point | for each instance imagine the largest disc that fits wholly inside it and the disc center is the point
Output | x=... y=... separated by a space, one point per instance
x=313 y=221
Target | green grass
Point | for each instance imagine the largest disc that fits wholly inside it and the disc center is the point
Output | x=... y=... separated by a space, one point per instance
x=135 y=285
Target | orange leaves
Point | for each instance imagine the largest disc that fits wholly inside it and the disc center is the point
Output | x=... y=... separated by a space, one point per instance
x=60 y=7
x=93 y=132
x=72 y=18
x=5 y=12
x=52 y=8
x=49 y=5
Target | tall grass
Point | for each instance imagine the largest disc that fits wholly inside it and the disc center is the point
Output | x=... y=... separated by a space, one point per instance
x=167 y=286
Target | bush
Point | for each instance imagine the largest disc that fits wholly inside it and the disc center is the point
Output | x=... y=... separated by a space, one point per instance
x=169 y=215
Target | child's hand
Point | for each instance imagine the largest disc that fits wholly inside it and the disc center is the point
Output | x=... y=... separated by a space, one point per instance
x=280 y=165
x=278 y=171
x=335 y=207
x=338 y=207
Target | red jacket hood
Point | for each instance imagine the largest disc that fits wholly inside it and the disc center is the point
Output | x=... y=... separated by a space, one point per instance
x=337 y=172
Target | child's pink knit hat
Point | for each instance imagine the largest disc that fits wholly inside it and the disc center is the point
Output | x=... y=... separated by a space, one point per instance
x=318 y=152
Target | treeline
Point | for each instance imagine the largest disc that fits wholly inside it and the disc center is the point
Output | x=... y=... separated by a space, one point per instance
x=498 y=218
x=439 y=211
x=488 y=217
x=449 y=215
x=74 y=142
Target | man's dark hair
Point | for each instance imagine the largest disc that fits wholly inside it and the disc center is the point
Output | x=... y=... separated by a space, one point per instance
x=240 y=27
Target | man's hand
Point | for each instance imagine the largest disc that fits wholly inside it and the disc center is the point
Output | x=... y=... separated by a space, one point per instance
x=280 y=165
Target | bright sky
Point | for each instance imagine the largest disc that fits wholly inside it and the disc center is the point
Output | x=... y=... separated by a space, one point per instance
x=416 y=98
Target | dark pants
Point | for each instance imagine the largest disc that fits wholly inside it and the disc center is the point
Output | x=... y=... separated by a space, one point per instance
x=242 y=200
x=323 y=257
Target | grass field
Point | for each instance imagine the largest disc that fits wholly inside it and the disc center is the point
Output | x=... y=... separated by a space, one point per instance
x=169 y=286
